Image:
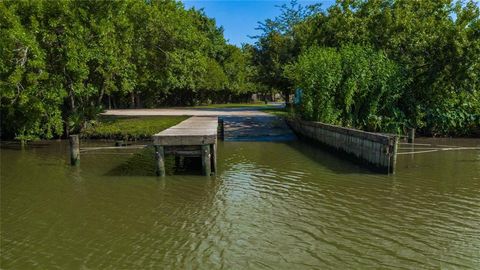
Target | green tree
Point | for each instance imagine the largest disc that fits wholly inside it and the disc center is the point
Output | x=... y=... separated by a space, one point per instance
x=276 y=47
x=31 y=97
x=63 y=61
x=435 y=43
x=353 y=86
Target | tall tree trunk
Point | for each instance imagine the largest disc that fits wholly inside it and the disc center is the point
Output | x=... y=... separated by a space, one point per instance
x=138 y=100
x=67 y=129
x=71 y=96
x=286 y=96
x=100 y=97
x=132 y=100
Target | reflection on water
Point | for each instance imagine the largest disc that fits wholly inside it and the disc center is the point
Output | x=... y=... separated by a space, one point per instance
x=273 y=206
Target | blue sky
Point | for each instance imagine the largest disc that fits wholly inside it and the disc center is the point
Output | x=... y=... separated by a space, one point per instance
x=239 y=18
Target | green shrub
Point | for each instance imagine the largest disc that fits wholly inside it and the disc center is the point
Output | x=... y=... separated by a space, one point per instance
x=318 y=73
x=353 y=86
x=459 y=115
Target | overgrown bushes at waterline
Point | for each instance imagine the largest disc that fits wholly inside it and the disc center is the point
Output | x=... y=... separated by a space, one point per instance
x=434 y=43
x=353 y=86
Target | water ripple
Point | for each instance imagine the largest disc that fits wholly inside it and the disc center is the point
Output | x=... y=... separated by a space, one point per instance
x=272 y=206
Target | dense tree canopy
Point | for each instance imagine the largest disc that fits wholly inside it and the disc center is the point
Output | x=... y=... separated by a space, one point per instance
x=352 y=86
x=61 y=62
x=435 y=43
x=277 y=47
x=382 y=65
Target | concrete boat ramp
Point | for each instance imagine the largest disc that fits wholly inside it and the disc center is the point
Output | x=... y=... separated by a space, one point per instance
x=240 y=124
x=257 y=128
x=197 y=137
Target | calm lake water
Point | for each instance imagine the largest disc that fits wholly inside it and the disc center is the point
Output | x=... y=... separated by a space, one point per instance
x=272 y=206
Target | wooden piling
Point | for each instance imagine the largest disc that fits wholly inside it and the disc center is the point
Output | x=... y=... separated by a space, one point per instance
x=206 y=164
x=393 y=162
x=221 y=129
x=214 y=157
x=177 y=162
x=194 y=137
x=74 y=150
x=160 y=160
x=120 y=143
x=179 y=159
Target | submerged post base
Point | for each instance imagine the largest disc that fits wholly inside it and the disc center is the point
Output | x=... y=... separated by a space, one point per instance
x=160 y=160
x=74 y=150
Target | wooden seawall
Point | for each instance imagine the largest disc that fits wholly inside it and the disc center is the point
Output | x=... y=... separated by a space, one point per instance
x=194 y=137
x=375 y=149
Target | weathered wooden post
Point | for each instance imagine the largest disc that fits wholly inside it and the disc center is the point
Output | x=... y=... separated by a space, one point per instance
x=393 y=155
x=221 y=130
x=160 y=160
x=206 y=164
x=179 y=162
x=411 y=135
x=120 y=143
x=74 y=150
x=194 y=137
x=214 y=156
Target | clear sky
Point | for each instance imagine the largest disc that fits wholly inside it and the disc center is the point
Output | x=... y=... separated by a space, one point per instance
x=239 y=18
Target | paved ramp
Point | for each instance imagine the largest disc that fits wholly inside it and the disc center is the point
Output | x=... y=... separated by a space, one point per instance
x=241 y=124
x=256 y=128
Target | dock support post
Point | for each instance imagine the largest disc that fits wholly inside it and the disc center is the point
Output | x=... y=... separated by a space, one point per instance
x=74 y=150
x=221 y=129
x=411 y=135
x=214 y=157
x=179 y=162
x=160 y=160
x=393 y=153
x=206 y=164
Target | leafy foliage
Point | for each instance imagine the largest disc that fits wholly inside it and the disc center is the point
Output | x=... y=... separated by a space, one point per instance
x=63 y=61
x=353 y=86
x=30 y=96
x=276 y=47
x=376 y=64
x=433 y=44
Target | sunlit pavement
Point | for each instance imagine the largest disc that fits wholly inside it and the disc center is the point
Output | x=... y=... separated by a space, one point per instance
x=240 y=111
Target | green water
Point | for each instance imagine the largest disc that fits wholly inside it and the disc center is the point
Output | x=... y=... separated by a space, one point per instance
x=272 y=206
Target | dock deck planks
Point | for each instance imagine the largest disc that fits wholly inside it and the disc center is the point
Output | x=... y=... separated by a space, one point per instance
x=200 y=131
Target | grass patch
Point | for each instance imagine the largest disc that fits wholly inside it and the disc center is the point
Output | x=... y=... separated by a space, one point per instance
x=129 y=128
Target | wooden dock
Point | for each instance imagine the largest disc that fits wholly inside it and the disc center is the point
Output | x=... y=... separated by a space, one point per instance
x=194 y=137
